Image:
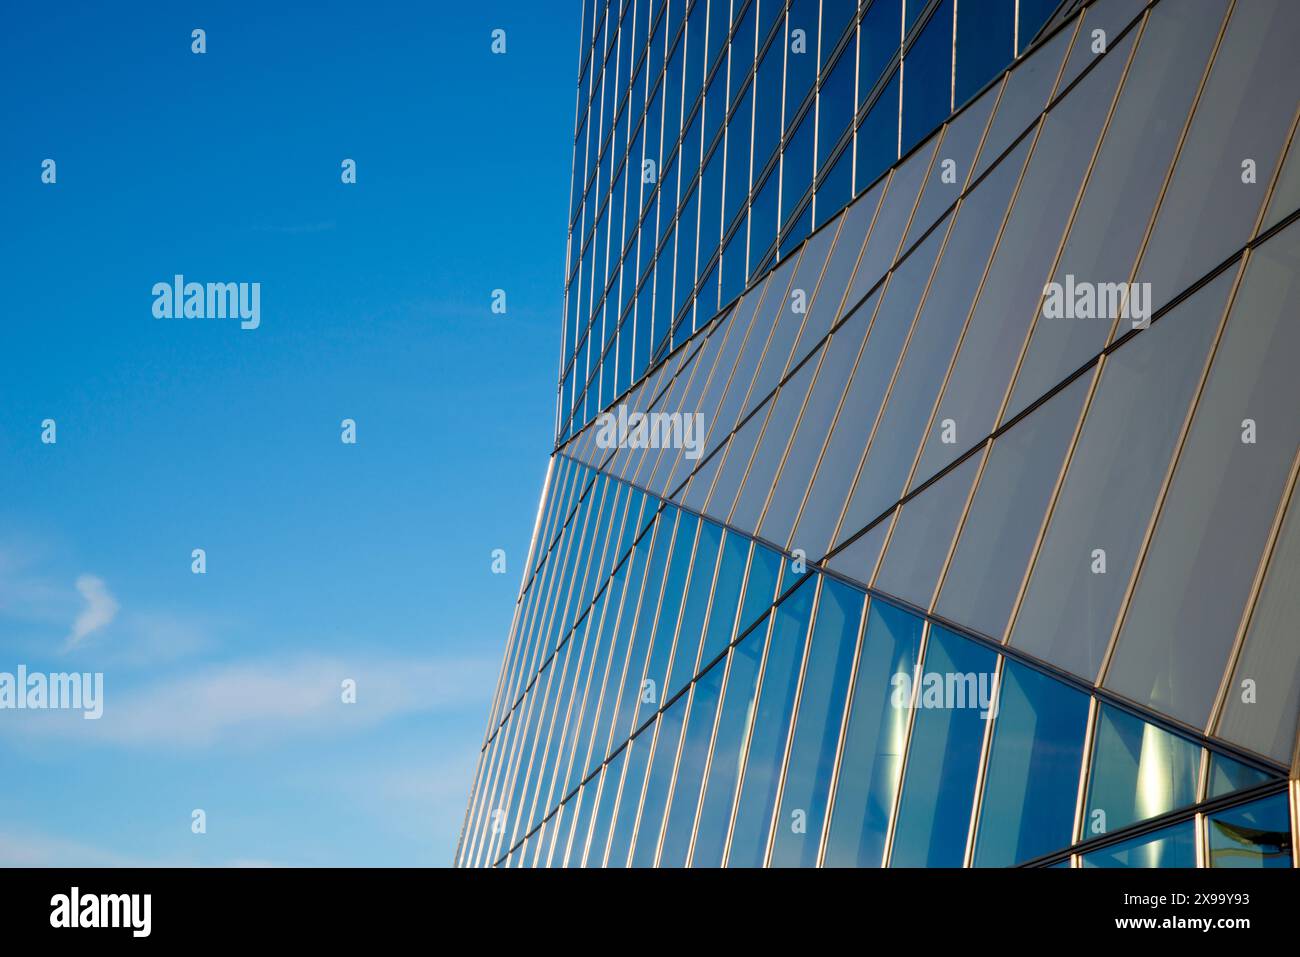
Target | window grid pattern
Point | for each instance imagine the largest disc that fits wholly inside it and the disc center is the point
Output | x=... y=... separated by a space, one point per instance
x=712 y=136
x=657 y=808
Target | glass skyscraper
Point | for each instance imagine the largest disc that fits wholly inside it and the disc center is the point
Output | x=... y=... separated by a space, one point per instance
x=928 y=435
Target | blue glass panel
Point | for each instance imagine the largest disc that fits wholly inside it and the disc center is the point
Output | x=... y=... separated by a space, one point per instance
x=591 y=682
x=762 y=223
x=658 y=781
x=674 y=586
x=1169 y=847
x=726 y=597
x=580 y=811
x=878 y=137
x=1253 y=835
x=636 y=759
x=760 y=585
x=771 y=725
x=598 y=840
x=1033 y=14
x=878 y=40
x=1032 y=782
x=769 y=11
x=796 y=232
x=742 y=49
x=1139 y=771
x=835 y=105
x=654 y=577
x=728 y=749
x=835 y=188
x=801 y=63
x=817 y=726
x=874 y=739
x=1227 y=775
x=942 y=759
x=985 y=44
x=927 y=77
x=767 y=112
x=691 y=631
x=738 y=150
x=797 y=166
x=690 y=771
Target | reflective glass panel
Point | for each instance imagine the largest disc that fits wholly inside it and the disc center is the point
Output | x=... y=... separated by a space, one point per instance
x=874 y=739
x=1139 y=771
x=1253 y=835
x=1032 y=782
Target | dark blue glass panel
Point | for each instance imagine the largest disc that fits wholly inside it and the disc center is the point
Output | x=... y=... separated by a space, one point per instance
x=762 y=224
x=878 y=137
x=834 y=105
x=771 y=724
x=801 y=62
x=1033 y=14
x=942 y=759
x=927 y=77
x=985 y=44
x=768 y=12
x=817 y=726
x=711 y=204
x=796 y=232
x=797 y=167
x=1032 y=782
x=742 y=50
x=767 y=113
x=912 y=10
x=719 y=28
x=878 y=41
x=835 y=189
x=737 y=186
x=733 y=267
x=695 y=49
x=874 y=739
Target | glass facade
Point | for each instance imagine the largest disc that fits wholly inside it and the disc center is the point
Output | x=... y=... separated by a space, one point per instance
x=713 y=136
x=956 y=525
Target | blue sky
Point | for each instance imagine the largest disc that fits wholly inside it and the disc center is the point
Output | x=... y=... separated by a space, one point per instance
x=324 y=560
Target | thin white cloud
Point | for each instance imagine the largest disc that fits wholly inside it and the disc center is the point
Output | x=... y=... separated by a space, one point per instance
x=255 y=702
x=101 y=608
x=30 y=849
